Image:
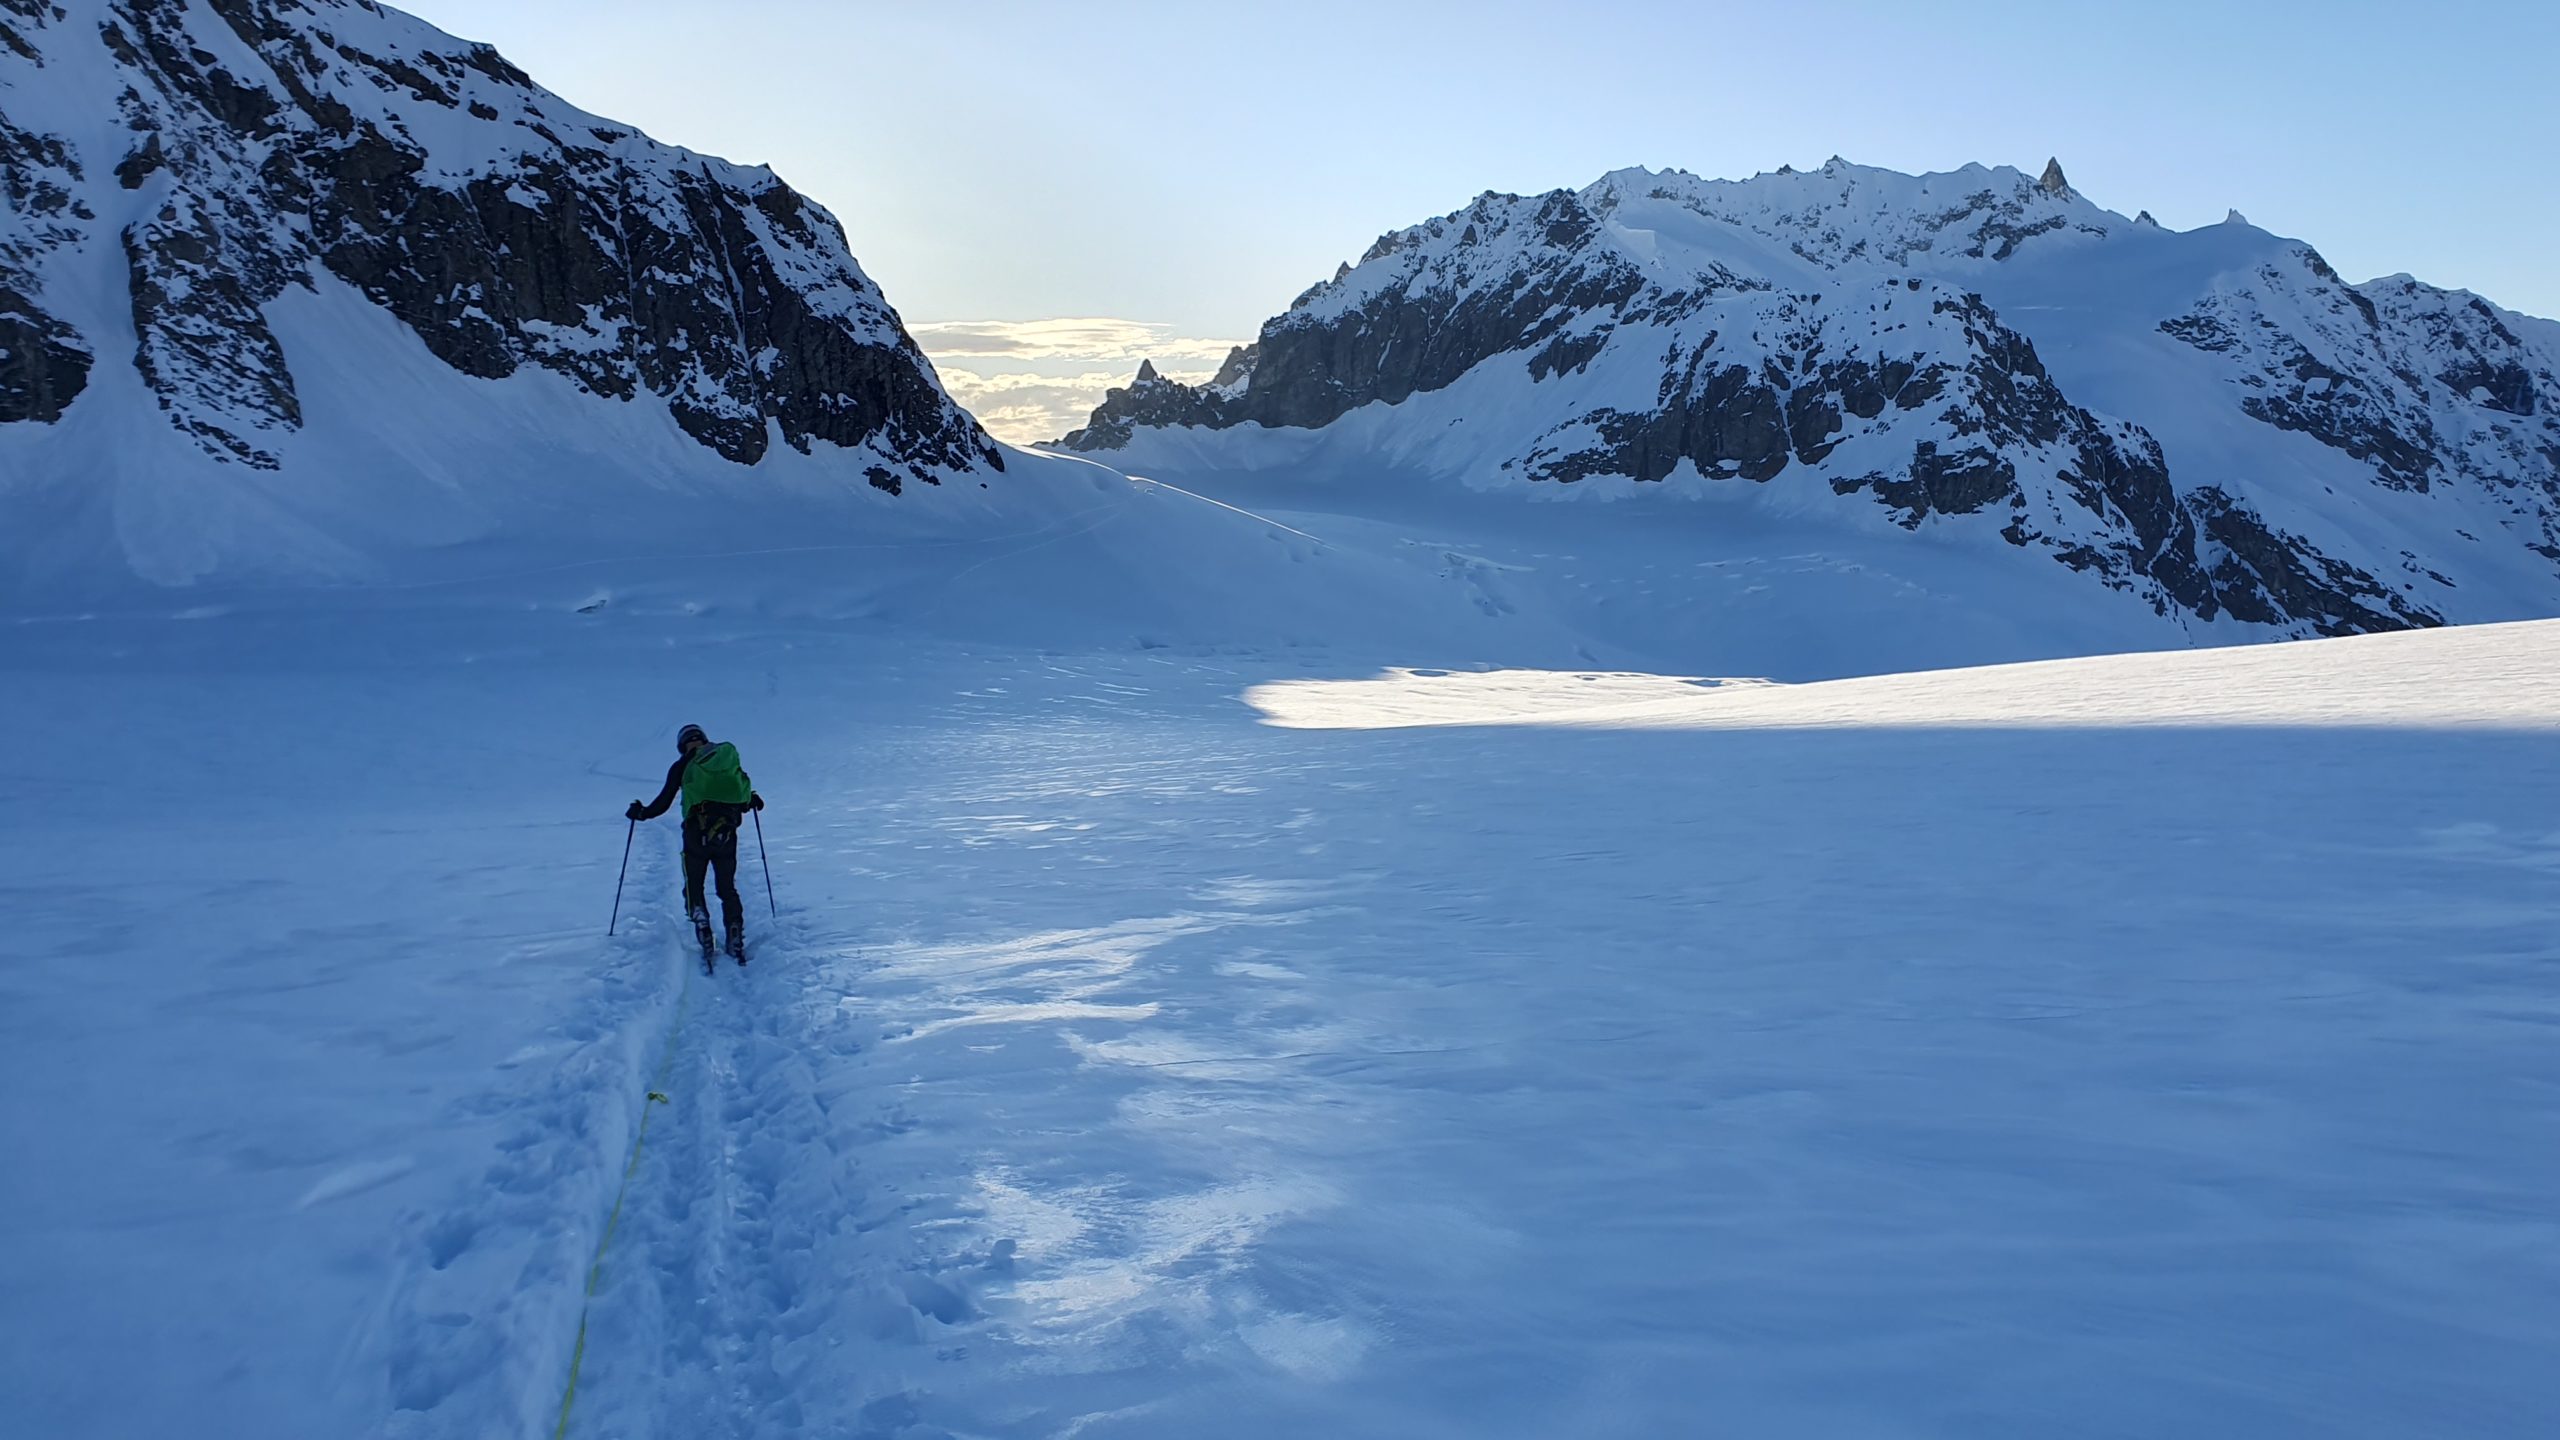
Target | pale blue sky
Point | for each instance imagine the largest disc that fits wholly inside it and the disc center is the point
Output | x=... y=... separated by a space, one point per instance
x=1195 y=165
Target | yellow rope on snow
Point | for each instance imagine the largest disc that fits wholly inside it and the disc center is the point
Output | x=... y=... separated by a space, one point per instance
x=657 y=1096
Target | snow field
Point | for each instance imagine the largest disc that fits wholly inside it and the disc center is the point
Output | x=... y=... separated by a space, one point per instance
x=1956 y=1061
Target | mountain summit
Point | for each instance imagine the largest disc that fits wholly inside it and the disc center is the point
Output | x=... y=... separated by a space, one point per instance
x=2212 y=423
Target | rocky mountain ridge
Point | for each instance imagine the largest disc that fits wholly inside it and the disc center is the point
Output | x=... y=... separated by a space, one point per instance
x=200 y=159
x=1887 y=337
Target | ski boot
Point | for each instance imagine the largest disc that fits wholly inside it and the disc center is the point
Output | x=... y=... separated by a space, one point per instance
x=737 y=944
x=702 y=936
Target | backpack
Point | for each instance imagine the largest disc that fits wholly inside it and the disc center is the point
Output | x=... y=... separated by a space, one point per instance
x=715 y=778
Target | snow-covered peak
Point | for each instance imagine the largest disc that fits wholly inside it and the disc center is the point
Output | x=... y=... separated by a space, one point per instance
x=2200 y=418
x=1845 y=215
x=1783 y=228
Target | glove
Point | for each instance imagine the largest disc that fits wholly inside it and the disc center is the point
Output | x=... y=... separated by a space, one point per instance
x=754 y=801
x=637 y=811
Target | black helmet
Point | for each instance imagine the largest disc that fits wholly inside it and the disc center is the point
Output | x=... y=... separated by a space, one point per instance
x=687 y=736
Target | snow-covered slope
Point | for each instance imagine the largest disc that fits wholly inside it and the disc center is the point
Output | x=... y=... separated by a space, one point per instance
x=289 y=286
x=2211 y=422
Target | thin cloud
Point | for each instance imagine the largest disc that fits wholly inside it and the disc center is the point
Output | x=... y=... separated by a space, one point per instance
x=1034 y=380
x=1085 y=339
x=983 y=383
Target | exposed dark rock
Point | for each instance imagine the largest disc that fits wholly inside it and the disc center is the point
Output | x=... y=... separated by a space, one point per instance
x=1813 y=418
x=1150 y=399
x=1722 y=419
x=1309 y=372
x=489 y=62
x=138 y=166
x=43 y=365
x=413 y=248
x=159 y=46
x=1950 y=484
x=33 y=172
x=2205 y=332
x=1568 y=352
x=202 y=342
x=2345 y=420
x=397 y=72
x=2273 y=579
x=2051 y=182
x=2504 y=385
x=1239 y=363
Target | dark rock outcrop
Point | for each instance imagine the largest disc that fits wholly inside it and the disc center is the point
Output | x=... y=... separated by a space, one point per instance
x=43 y=366
x=1315 y=364
x=1151 y=400
x=44 y=361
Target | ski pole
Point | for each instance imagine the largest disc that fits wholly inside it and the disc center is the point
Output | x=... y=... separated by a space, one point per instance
x=617 y=879
x=767 y=863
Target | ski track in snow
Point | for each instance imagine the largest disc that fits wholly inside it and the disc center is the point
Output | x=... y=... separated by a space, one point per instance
x=769 y=1248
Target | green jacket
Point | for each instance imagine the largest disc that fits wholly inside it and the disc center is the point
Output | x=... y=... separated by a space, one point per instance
x=707 y=777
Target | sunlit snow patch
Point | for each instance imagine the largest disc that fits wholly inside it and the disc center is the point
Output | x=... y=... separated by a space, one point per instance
x=2504 y=677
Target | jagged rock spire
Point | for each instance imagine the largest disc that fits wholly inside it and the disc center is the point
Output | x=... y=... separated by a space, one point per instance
x=1146 y=373
x=2053 y=184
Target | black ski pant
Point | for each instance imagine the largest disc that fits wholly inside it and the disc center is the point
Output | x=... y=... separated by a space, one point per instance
x=711 y=844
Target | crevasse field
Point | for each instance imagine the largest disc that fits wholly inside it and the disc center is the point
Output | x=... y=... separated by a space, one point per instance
x=1400 y=1000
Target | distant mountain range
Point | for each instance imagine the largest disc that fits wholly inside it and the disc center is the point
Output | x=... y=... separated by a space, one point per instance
x=2213 y=421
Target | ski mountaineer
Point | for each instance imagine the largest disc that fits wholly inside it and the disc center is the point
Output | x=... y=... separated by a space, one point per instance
x=717 y=795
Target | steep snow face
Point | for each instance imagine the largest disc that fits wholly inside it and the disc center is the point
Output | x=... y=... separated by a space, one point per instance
x=2213 y=422
x=219 y=212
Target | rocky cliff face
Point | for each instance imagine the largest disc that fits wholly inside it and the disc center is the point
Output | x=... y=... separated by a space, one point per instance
x=204 y=157
x=1885 y=337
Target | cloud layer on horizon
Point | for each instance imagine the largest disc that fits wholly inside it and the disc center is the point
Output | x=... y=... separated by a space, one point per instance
x=1032 y=380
